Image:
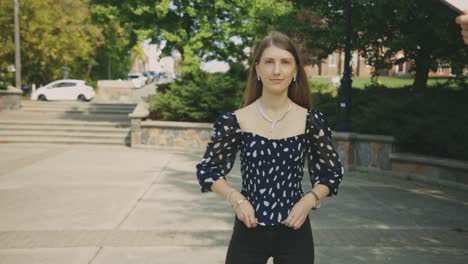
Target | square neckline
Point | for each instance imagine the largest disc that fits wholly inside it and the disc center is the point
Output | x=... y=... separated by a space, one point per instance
x=253 y=134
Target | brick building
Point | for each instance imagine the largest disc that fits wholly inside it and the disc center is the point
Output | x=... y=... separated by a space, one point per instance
x=334 y=66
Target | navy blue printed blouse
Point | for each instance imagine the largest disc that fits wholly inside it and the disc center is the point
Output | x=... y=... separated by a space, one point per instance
x=272 y=169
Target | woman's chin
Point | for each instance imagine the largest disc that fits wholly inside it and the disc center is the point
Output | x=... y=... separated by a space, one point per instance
x=275 y=89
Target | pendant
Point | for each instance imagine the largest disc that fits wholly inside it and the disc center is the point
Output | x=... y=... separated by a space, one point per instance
x=272 y=127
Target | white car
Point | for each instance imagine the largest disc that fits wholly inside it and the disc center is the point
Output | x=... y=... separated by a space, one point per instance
x=64 y=90
x=138 y=79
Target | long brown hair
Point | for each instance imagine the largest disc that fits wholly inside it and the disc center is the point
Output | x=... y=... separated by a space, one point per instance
x=298 y=91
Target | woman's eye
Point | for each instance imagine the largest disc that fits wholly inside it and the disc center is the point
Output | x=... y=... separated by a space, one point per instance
x=286 y=62
x=268 y=62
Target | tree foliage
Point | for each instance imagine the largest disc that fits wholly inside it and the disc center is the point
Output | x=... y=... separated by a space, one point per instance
x=424 y=29
x=201 y=30
x=54 y=33
x=114 y=57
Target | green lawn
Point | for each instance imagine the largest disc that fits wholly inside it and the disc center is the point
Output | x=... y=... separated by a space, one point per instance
x=325 y=83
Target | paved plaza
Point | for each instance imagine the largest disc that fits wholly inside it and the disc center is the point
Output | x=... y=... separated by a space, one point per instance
x=80 y=204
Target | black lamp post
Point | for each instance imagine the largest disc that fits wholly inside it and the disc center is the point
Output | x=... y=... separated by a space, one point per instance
x=344 y=93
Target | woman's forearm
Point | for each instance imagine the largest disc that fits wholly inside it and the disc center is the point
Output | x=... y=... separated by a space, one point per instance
x=223 y=189
x=321 y=190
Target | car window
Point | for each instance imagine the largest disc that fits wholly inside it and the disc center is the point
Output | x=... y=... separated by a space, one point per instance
x=70 y=84
x=63 y=84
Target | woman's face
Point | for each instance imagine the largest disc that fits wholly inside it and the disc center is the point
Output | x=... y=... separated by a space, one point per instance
x=276 y=69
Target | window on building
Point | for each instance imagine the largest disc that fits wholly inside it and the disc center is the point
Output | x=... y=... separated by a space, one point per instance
x=440 y=70
x=332 y=60
x=401 y=67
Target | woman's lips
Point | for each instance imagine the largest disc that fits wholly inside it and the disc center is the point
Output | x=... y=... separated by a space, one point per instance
x=276 y=80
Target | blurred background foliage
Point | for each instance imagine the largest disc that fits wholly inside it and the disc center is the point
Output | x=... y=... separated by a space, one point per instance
x=53 y=34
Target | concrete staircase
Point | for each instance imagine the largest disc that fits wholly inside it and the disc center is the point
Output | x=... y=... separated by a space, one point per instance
x=67 y=123
x=79 y=110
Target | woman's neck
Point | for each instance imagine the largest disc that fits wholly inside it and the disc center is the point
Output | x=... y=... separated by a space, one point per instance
x=274 y=103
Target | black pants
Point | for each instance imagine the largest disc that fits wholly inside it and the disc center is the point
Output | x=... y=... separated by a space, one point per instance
x=284 y=244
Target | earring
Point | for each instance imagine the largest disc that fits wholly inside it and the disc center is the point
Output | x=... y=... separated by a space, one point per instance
x=258 y=77
x=294 y=78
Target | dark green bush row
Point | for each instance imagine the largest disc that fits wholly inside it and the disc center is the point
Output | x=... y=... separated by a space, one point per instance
x=430 y=123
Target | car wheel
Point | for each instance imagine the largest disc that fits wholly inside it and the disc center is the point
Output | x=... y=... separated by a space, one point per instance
x=82 y=98
x=42 y=98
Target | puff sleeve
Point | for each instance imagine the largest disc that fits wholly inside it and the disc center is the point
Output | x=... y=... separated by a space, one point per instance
x=221 y=151
x=324 y=163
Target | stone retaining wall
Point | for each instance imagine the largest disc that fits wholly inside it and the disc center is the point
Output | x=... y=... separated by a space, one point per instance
x=166 y=134
x=369 y=151
x=443 y=171
x=354 y=149
x=360 y=152
x=10 y=99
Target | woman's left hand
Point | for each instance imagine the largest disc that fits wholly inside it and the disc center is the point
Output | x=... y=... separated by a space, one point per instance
x=298 y=214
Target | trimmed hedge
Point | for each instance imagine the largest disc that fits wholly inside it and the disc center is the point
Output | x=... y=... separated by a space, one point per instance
x=430 y=123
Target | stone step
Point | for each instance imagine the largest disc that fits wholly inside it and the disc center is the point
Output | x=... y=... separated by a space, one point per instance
x=55 y=140
x=82 y=117
x=84 y=132
x=44 y=128
x=62 y=123
x=80 y=111
x=85 y=106
x=67 y=103
x=77 y=107
x=67 y=123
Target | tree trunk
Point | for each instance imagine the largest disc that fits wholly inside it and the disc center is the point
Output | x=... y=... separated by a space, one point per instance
x=339 y=64
x=358 y=63
x=420 y=79
x=109 y=67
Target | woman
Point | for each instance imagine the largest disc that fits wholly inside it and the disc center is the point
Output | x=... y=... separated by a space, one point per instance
x=463 y=21
x=275 y=132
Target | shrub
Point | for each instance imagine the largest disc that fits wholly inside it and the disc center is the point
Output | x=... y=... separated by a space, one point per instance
x=429 y=123
x=200 y=97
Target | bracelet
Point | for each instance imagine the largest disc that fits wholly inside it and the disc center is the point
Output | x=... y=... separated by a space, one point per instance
x=238 y=203
x=317 y=200
x=228 y=197
x=315 y=195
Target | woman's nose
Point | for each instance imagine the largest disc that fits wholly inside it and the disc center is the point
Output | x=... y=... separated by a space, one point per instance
x=276 y=68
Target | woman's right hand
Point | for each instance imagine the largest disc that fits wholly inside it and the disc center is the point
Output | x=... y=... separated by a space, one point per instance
x=244 y=211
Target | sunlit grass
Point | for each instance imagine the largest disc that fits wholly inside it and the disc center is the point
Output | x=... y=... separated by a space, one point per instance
x=324 y=84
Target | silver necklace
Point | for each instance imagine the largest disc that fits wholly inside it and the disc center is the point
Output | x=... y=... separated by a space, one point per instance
x=273 y=122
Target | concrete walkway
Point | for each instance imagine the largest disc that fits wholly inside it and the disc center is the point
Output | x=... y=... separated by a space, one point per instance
x=117 y=205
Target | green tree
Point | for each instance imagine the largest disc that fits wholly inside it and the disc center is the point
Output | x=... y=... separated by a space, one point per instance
x=200 y=30
x=113 y=57
x=309 y=31
x=7 y=54
x=424 y=29
x=54 y=33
